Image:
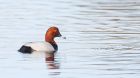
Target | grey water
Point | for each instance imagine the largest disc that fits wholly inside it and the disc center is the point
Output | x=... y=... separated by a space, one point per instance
x=103 y=38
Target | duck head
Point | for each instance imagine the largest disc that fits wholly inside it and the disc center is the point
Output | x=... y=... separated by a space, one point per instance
x=51 y=33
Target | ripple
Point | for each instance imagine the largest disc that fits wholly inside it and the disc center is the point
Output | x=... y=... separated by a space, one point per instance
x=102 y=38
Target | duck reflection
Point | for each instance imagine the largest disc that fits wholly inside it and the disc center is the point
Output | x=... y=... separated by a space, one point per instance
x=51 y=62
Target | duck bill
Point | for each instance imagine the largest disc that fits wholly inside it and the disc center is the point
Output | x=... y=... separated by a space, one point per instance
x=59 y=35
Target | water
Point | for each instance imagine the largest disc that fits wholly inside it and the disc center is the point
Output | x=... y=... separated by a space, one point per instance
x=102 y=38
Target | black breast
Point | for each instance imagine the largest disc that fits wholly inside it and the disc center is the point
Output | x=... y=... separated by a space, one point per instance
x=55 y=47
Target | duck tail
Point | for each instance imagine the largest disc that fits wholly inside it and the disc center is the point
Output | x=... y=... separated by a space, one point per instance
x=25 y=49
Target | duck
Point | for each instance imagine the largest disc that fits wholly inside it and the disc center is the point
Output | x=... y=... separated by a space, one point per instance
x=48 y=45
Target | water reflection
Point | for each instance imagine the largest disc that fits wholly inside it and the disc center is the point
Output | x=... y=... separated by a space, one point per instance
x=52 y=64
x=50 y=60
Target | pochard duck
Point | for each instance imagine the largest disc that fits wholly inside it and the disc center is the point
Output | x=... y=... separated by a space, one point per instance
x=49 y=45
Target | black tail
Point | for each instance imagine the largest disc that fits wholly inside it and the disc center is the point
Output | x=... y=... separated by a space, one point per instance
x=25 y=49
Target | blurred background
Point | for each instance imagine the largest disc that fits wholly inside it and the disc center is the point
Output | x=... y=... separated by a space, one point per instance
x=102 y=38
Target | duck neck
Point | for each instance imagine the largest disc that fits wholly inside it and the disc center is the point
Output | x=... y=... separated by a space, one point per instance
x=50 y=39
x=52 y=42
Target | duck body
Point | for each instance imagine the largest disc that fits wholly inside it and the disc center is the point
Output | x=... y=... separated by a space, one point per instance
x=49 y=45
x=38 y=46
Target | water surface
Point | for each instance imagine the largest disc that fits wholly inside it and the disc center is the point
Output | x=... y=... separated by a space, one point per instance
x=102 y=38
